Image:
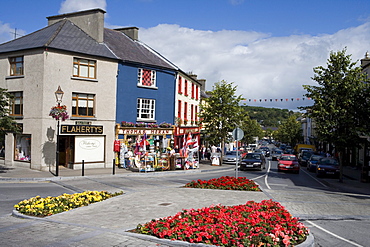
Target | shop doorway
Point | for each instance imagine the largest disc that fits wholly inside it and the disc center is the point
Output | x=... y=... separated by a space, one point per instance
x=66 y=151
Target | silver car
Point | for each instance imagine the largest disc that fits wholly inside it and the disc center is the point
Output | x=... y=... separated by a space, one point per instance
x=230 y=157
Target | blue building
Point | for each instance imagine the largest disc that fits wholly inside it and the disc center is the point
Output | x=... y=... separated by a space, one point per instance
x=146 y=82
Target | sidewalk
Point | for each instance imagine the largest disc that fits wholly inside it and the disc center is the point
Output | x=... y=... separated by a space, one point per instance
x=21 y=171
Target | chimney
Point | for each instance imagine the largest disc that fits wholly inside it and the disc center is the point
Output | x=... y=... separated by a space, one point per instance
x=90 y=21
x=131 y=32
x=365 y=64
x=203 y=84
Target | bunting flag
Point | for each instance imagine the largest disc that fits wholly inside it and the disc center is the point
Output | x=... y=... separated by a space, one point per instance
x=277 y=100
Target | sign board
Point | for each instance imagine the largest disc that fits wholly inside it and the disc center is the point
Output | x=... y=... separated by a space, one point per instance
x=89 y=148
x=147 y=131
x=238 y=134
x=81 y=129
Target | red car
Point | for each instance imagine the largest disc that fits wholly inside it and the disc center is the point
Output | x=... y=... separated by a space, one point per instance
x=288 y=162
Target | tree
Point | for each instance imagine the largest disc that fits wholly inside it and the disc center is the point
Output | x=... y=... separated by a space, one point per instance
x=290 y=131
x=251 y=130
x=221 y=113
x=7 y=123
x=341 y=109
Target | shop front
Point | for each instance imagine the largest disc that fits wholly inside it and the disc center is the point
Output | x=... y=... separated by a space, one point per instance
x=144 y=148
x=82 y=143
x=181 y=134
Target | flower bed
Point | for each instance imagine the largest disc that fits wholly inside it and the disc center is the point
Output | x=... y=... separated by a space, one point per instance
x=254 y=224
x=225 y=183
x=41 y=207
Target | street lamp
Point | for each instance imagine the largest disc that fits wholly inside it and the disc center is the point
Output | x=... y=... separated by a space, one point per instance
x=59 y=96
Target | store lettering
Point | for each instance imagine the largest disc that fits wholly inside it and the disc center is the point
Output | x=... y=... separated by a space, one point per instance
x=81 y=129
x=148 y=132
x=89 y=144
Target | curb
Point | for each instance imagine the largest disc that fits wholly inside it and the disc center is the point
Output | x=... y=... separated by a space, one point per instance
x=309 y=242
x=162 y=173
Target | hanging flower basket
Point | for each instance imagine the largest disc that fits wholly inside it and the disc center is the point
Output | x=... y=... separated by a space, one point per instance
x=59 y=112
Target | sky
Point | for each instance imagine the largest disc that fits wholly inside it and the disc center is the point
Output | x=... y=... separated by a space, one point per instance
x=266 y=48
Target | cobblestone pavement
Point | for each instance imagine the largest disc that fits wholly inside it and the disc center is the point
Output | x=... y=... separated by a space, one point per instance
x=105 y=223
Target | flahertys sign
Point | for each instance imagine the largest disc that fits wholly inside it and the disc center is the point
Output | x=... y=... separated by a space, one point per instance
x=81 y=129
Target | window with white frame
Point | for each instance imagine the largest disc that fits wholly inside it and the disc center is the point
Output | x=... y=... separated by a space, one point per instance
x=84 y=68
x=146 y=78
x=145 y=109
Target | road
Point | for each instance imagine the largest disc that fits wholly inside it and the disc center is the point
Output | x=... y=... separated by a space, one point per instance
x=336 y=218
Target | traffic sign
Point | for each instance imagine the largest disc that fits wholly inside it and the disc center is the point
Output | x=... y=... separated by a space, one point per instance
x=238 y=134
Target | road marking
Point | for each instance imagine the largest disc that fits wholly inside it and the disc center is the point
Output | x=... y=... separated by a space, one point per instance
x=333 y=234
x=267 y=174
x=258 y=177
x=314 y=178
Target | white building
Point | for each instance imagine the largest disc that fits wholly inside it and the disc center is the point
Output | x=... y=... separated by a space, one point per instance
x=69 y=53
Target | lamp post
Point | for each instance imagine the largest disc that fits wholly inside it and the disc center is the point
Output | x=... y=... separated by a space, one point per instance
x=59 y=96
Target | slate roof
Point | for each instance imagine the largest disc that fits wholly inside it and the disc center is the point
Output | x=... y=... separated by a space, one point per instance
x=129 y=50
x=63 y=35
x=66 y=36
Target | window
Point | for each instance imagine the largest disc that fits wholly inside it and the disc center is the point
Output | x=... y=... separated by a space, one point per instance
x=84 y=68
x=179 y=109
x=192 y=112
x=196 y=113
x=186 y=88
x=185 y=111
x=83 y=105
x=16 y=66
x=16 y=104
x=197 y=93
x=192 y=91
x=22 y=149
x=179 y=90
x=145 y=109
x=146 y=78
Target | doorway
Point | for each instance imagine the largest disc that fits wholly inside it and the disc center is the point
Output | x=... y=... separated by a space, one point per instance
x=66 y=151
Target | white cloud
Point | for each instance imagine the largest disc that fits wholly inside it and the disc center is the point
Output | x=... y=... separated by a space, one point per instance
x=7 y=33
x=69 y=6
x=262 y=67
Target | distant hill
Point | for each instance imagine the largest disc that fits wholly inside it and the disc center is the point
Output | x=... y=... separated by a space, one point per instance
x=268 y=117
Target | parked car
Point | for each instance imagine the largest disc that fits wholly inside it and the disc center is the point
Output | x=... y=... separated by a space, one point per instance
x=266 y=151
x=230 y=157
x=288 y=162
x=312 y=161
x=304 y=156
x=327 y=167
x=282 y=146
x=289 y=151
x=276 y=154
x=253 y=161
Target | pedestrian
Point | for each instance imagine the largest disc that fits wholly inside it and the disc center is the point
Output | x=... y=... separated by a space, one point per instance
x=203 y=151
